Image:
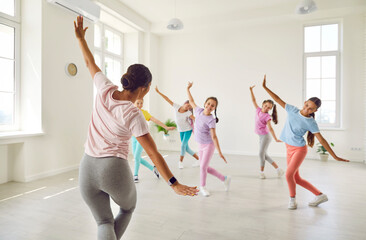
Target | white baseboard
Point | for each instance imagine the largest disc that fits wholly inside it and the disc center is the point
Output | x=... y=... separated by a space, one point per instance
x=50 y=173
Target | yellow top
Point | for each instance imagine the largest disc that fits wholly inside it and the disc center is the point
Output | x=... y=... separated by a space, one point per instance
x=147 y=115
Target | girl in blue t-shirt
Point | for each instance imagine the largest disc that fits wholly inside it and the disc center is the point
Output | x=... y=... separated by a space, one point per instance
x=297 y=124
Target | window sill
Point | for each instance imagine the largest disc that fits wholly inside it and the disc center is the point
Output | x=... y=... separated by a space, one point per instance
x=332 y=129
x=17 y=136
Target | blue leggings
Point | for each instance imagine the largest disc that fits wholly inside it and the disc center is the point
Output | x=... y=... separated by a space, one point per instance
x=136 y=151
x=184 y=137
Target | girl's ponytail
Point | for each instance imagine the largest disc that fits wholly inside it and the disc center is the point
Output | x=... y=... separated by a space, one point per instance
x=310 y=136
x=217 y=119
x=274 y=114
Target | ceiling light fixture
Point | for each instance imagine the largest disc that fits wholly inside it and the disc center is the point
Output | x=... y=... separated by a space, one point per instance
x=175 y=23
x=306 y=6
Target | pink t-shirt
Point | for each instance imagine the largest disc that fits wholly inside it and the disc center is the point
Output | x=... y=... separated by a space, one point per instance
x=261 y=120
x=113 y=122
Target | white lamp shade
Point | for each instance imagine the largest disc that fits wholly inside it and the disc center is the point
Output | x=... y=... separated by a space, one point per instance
x=306 y=6
x=175 y=24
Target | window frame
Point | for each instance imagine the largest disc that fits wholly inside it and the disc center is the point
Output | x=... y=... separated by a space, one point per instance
x=14 y=22
x=337 y=54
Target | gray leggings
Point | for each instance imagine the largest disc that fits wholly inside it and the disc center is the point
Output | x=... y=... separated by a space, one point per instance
x=101 y=179
x=264 y=141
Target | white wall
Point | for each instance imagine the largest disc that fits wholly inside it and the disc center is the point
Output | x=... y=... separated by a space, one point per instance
x=62 y=104
x=225 y=61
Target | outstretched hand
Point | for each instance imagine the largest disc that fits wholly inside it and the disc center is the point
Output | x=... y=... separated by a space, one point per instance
x=156 y=89
x=170 y=128
x=341 y=159
x=185 y=190
x=251 y=87
x=79 y=29
x=223 y=157
x=264 y=81
x=189 y=85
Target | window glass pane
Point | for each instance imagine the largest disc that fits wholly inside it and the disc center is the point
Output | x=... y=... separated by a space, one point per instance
x=113 y=42
x=328 y=89
x=108 y=64
x=329 y=67
x=313 y=67
x=312 y=88
x=117 y=44
x=330 y=37
x=6 y=41
x=98 y=60
x=6 y=108
x=109 y=40
x=7 y=7
x=327 y=112
x=97 y=36
x=312 y=39
x=7 y=75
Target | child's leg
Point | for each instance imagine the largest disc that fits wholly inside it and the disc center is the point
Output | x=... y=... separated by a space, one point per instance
x=137 y=150
x=295 y=157
x=186 y=137
x=205 y=159
x=182 y=146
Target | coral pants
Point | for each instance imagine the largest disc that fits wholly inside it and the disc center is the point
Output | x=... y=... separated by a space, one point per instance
x=295 y=156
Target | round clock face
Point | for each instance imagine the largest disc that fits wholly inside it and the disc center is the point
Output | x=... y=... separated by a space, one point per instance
x=71 y=69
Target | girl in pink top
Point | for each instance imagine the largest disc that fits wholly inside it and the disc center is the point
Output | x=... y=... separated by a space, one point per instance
x=262 y=128
x=104 y=172
x=205 y=135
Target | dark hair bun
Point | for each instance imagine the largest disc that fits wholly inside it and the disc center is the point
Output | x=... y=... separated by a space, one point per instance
x=128 y=81
x=137 y=75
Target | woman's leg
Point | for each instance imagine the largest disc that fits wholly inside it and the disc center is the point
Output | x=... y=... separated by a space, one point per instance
x=100 y=179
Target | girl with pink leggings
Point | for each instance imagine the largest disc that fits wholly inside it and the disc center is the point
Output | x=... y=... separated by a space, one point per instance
x=205 y=135
x=297 y=124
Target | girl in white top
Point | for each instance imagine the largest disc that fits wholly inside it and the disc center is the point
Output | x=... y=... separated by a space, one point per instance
x=183 y=118
x=104 y=170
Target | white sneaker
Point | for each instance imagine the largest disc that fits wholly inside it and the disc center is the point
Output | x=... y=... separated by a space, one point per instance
x=156 y=172
x=280 y=172
x=292 y=205
x=196 y=163
x=136 y=179
x=318 y=200
x=227 y=182
x=180 y=165
x=204 y=192
x=261 y=175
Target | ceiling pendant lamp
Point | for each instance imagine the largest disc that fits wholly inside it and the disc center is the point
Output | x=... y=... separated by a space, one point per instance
x=306 y=6
x=175 y=23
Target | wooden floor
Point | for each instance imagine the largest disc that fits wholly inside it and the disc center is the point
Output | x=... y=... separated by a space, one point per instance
x=52 y=208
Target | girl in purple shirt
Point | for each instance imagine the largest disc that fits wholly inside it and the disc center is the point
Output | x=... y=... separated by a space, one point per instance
x=205 y=135
x=262 y=128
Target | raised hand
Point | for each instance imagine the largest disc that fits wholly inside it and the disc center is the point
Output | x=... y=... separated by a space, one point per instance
x=251 y=87
x=185 y=190
x=264 y=81
x=189 y=85
x=156 y=89
x=79 y=29
x=170 y=128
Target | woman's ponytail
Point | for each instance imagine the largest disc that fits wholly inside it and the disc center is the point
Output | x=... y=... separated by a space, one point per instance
x=274 y=114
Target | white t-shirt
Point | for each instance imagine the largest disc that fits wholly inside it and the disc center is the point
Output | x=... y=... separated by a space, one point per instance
x=113 y=122
x=182 y=119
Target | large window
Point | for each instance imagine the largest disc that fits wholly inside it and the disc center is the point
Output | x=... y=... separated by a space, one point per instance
x=108 y=54
x=9 y=65
x=322 y=71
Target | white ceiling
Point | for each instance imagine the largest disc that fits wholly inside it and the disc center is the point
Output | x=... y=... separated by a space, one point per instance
x=163 y=10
